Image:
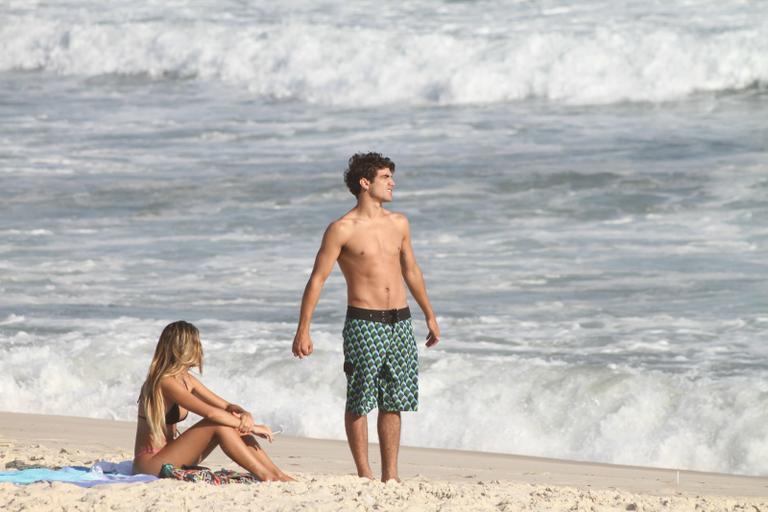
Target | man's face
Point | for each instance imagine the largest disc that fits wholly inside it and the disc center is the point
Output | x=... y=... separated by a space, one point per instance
x=382 y=185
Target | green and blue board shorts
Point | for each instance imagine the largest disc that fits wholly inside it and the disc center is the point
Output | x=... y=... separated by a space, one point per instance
x=381 y=360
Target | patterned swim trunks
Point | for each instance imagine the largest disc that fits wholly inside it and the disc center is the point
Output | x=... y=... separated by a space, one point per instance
x=381 y=361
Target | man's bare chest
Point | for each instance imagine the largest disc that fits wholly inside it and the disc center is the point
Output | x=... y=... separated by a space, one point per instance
x=376 y=244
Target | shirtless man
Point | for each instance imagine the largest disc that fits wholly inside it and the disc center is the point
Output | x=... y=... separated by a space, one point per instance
x=373 y=248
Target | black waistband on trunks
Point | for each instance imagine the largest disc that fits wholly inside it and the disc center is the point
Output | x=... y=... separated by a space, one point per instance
x=386 y=316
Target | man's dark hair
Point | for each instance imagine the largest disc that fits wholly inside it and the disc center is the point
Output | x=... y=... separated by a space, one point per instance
x=365 y=165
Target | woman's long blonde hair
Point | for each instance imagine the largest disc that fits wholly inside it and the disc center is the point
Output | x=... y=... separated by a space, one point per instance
x=177 y=349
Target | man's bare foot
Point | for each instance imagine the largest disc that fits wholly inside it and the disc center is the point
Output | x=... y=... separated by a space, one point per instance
x=387 y=479
x=365 y=472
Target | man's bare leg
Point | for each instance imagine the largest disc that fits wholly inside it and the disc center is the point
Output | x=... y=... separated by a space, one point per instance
x=357 y=436
x=388 y=425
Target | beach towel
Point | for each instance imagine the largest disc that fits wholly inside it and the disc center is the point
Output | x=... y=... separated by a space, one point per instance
x=203 y=474
x=101 y=473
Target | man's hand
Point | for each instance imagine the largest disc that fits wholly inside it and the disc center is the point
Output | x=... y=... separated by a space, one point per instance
x=434 y=332
x=302 y=345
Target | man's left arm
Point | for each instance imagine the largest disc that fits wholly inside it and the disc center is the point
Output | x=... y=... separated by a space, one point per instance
x=415 y=281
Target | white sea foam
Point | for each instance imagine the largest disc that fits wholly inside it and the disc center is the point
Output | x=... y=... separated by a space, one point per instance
x=28 y=233
x=12 y=319
x=319 y=63
x=496 y=403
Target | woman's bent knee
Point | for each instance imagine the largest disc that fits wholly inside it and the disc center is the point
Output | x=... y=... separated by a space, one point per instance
x=223 y=430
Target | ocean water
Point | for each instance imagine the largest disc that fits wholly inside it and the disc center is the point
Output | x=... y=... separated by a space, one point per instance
x=587 y=185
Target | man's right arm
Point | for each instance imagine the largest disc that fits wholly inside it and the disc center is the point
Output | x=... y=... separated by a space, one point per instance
x=326 y=257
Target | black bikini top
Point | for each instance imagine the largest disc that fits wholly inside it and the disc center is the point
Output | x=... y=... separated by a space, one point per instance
x=173 y=415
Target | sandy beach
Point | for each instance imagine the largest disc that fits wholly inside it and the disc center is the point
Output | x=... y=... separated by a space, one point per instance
x=432 y=479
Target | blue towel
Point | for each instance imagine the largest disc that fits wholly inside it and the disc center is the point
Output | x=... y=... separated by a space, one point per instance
x=78 y=475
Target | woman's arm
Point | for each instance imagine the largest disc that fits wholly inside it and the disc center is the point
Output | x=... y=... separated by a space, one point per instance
x=206 y=395
x=199 y=390
x=174 y=391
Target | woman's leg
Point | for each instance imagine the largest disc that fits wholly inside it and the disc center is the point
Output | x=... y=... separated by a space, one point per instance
x=200 y=439
x=208 y=449
x=262 y=456
x=258 y=452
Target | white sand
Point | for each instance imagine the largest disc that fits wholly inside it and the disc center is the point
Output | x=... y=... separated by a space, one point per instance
x=433 y=479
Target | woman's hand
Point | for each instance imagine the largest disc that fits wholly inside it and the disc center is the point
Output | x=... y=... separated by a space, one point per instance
x=246 y=420
x=262 y=431
x=246 y=423
x=235 y=409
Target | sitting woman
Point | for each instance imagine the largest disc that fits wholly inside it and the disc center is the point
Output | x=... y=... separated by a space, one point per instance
x=170 y=392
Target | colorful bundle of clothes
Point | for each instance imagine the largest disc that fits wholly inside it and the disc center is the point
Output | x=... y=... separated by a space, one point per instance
x=203 y=474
